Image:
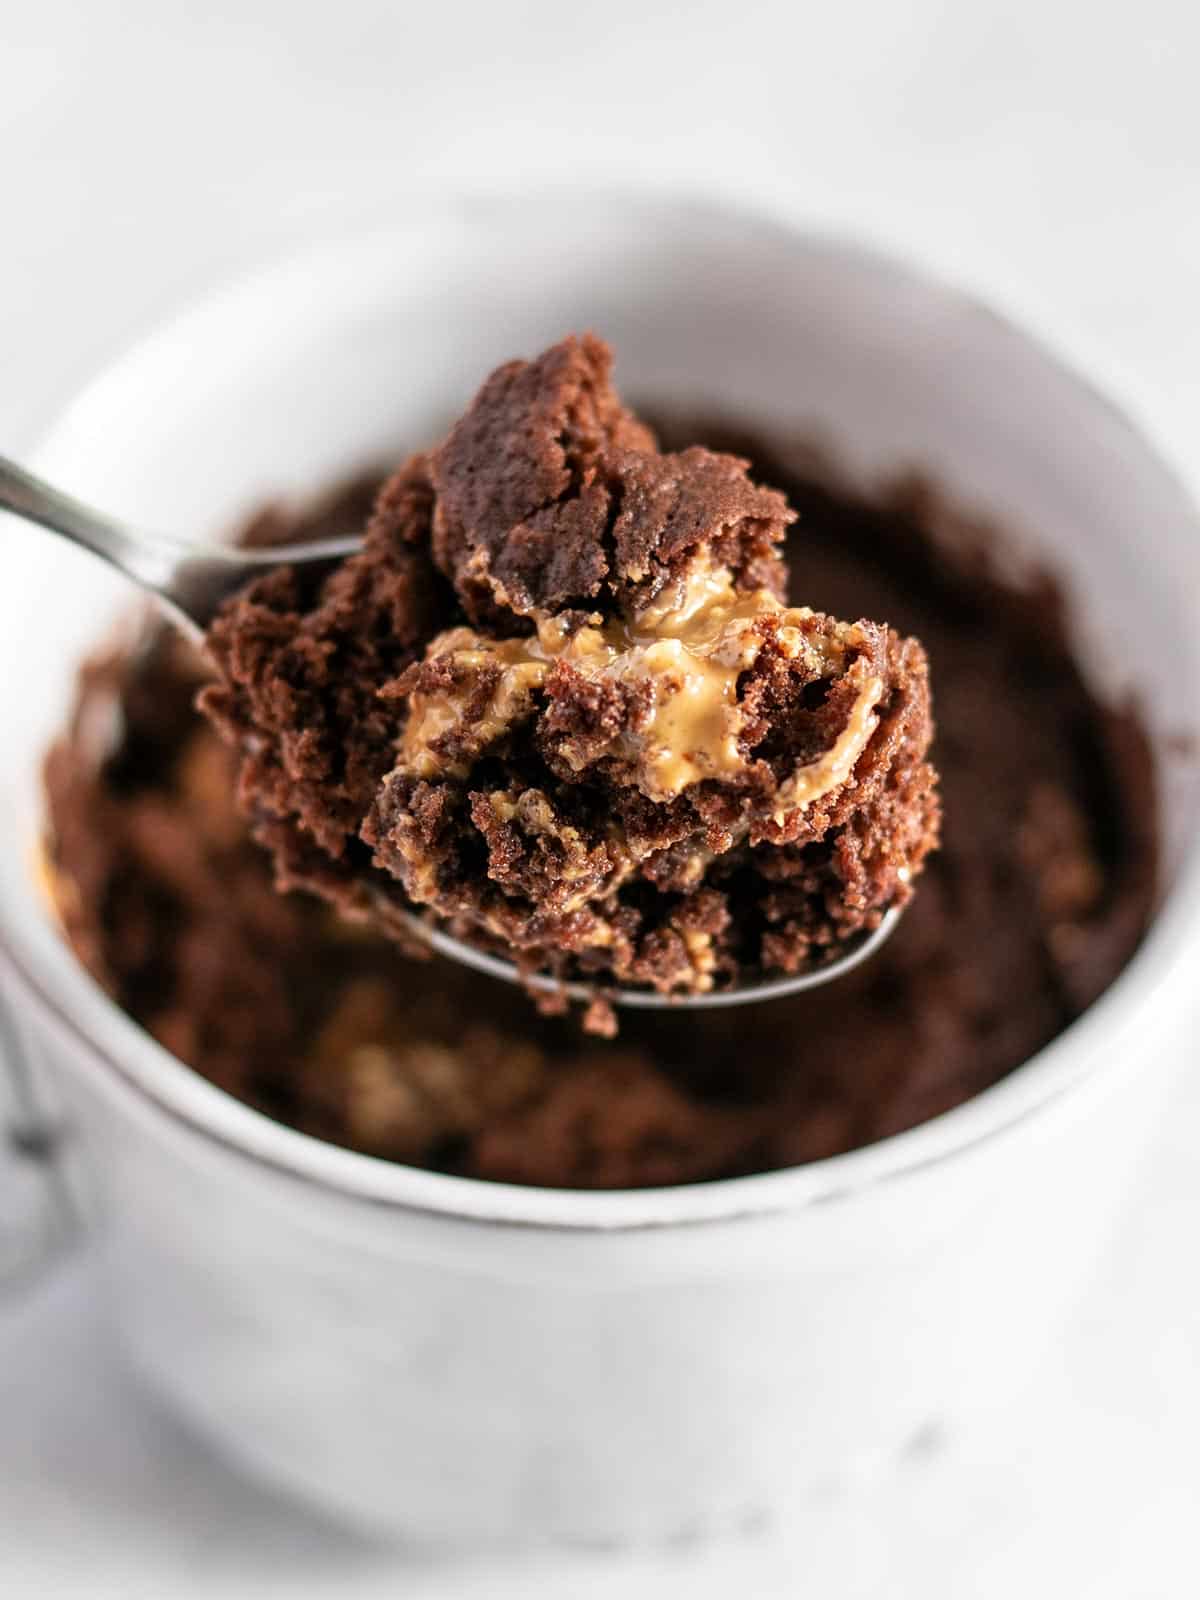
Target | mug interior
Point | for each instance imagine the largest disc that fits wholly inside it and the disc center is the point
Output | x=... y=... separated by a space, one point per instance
x=357 y=351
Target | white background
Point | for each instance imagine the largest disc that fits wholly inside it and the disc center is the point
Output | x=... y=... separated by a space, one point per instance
x=1047 y=152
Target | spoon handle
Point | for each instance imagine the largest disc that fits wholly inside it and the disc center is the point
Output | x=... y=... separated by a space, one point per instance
x=148 y=562
x=191 y=580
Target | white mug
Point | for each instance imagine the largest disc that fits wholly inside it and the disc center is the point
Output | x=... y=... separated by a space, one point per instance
x=439 y=1357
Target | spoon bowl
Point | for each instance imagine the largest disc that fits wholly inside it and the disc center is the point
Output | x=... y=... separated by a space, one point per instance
x=857 y=951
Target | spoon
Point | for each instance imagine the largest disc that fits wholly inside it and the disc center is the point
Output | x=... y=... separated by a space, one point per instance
x=191 y=580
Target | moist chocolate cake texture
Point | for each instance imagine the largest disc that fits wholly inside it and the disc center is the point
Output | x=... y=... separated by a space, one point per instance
x=1036 y=899
x=560 y=702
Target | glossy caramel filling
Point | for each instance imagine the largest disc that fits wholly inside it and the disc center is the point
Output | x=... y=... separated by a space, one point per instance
x=689 y=647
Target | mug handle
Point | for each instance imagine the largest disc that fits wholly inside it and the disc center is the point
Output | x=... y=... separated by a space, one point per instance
x=37 y=1219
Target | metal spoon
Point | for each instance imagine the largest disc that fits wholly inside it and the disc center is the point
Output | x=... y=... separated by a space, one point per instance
x=191 y=580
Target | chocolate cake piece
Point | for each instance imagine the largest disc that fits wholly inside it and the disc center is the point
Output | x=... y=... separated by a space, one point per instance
x=558 y=703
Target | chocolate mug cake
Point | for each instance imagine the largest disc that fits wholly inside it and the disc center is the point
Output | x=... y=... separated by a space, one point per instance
x=1039 y=893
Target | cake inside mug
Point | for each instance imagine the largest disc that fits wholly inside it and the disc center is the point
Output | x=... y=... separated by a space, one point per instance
x=559 y=704
x=1040 y=892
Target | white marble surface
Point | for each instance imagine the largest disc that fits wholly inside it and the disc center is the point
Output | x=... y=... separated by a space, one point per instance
x=1049 y=152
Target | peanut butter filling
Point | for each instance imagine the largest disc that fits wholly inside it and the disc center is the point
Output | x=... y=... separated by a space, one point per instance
x=691 y=646
x=817 y=778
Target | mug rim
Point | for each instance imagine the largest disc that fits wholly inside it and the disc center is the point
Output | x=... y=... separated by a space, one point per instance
x=169 y=1085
